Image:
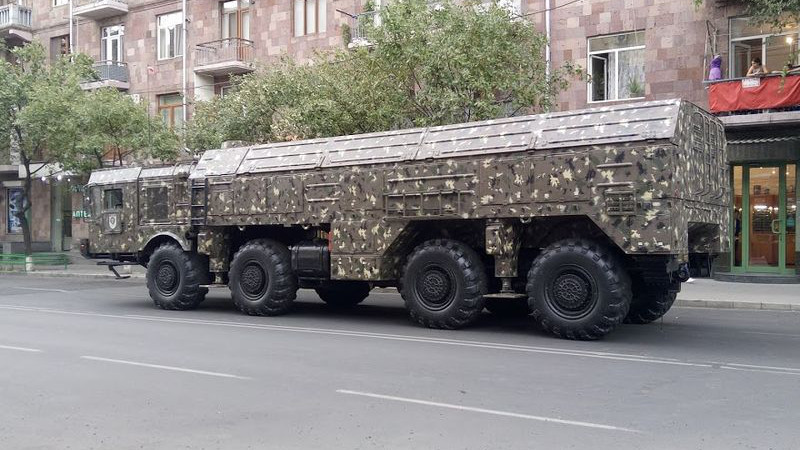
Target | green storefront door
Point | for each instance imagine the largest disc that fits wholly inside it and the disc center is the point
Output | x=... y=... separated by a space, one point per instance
x=764 y=218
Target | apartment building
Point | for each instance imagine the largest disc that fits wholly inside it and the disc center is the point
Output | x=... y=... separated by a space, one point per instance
x=634 y=50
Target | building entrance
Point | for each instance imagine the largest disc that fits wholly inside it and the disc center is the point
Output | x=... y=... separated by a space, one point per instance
x=764 y=219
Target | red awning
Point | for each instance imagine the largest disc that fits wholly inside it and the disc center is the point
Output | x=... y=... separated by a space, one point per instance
x=754 y=94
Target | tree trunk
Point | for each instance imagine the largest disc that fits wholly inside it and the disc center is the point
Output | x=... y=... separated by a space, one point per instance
x=22 y=210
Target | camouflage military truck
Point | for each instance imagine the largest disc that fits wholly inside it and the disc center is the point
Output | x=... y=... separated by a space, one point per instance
x=583 y=219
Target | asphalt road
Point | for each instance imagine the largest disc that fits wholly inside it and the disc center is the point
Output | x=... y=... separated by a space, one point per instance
x=91 y=364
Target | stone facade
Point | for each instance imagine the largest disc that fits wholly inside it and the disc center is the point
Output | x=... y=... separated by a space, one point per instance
x=676 y=43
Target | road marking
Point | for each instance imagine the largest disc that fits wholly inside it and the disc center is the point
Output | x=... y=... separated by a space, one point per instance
x=774 y=334
x=750 y=366
x=40 y=289
x=489 y=411
x=158 y=366
x=760 y=370
x=418 y=339
x=20 y=349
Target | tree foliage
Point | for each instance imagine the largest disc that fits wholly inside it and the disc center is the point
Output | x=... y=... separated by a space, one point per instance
x=425 y=66
x=49 y=122
x=776 y=13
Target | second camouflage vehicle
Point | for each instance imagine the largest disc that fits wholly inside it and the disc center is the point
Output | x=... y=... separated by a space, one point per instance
x=583 y=219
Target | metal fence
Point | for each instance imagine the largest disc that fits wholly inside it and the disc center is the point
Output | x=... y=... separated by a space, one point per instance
x=224 y=50
x=362 y=26
x=111 y=70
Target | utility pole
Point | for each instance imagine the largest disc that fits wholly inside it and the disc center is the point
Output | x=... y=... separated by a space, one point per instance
x=548 y=33
x=71 y=28
x=185 y=35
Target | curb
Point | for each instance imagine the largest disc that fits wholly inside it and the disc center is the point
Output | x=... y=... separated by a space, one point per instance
x=723 y=304
x=95 y=276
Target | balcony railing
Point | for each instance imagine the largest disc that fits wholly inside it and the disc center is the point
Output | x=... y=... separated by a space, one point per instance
x=361 y=27
x=108 y=74
x=100 y=9
x=225 y=56
x=15 y=18
x=755 y=94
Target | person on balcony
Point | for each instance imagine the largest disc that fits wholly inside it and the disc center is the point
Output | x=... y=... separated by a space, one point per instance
x=757 y=68
x=715 y=72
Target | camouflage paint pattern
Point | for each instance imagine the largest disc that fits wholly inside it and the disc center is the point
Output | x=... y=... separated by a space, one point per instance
x=644 y=174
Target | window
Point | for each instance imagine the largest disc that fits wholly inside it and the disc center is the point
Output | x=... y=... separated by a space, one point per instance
x=60 y=2
x=170 y=35
x=156 y=208
x=235 y=19
x=514 y=7
x=170 y=108
x=616 y=66
x=112 y=199
x=309 y=17
x=59 y=46
x=14 y=205
x=226 y=90
x=750 y=41
x=111 y=43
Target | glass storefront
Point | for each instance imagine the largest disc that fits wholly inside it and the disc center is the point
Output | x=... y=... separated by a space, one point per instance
x=764 y=219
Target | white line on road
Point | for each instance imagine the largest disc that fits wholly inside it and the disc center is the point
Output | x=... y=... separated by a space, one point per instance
x=750 y=366
x=777 y=371
x=40 y=289
x=20 y=349
x=158 y=366
x=489 y=411
x=418 y=339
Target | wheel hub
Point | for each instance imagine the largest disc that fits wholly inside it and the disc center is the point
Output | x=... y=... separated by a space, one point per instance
x=571 y=292
x=435 y=287
x=253 y=279
x=167 y=278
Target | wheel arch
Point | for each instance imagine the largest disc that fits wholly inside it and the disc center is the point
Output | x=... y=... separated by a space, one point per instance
x=159 y=239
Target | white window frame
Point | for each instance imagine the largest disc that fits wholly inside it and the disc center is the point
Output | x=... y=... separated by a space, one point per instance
x=179 y=48
x=617 y=51
x=107 y=36
x=60 y=3
x=763 y=55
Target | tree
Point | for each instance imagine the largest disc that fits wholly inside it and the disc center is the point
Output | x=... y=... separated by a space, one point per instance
x=777 y=13
x=51 y=122
x=427 y=66
x=116 y=130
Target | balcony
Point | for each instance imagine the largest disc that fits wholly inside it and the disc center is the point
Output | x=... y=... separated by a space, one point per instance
x=16 y=22
x=756 y=101
x=230 y=56
x=100 y=9
x=361 y=26
x=108 y=74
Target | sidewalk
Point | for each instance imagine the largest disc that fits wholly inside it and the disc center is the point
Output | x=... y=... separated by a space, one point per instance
x=707 y=293
x=702 y=292
x=82 y=268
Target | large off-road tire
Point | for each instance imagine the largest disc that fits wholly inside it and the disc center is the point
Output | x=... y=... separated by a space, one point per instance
x=650 y=303
x=261 y=279
x=508 y=307
x=578 y=290
x=344 y=294
x=174 y=278
x=443 y=284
